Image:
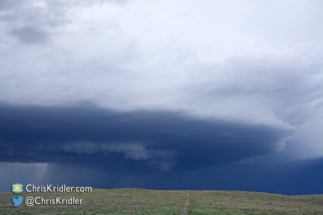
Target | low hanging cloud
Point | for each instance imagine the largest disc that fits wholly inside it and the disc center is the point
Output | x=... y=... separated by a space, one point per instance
x=143 y=140
x=163 y=160
x=130 y=151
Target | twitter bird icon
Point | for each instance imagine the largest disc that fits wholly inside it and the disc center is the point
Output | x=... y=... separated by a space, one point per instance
x=17 y=201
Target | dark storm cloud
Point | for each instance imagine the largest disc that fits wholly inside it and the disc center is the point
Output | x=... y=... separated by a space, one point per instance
x=311 y=164
x=132 y=141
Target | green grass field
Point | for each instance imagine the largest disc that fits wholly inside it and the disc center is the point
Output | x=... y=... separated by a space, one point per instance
x=151 y=202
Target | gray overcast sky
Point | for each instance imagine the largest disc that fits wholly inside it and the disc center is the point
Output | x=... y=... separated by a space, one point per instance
x=219 y=70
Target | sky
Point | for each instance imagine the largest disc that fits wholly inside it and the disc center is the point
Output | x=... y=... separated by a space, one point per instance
x=162 y=94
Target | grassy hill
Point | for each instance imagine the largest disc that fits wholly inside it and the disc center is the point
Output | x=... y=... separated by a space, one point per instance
x=155 y=202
